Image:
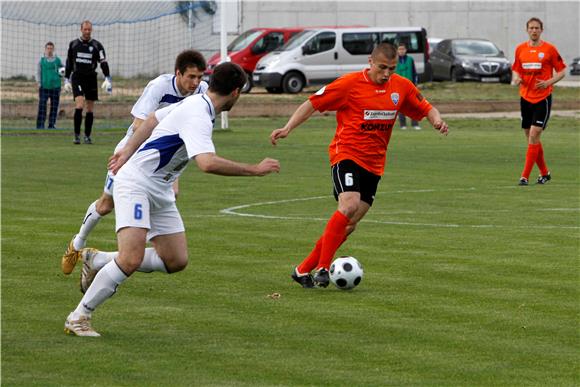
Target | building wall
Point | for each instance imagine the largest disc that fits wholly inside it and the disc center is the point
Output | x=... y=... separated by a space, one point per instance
x=501 y=22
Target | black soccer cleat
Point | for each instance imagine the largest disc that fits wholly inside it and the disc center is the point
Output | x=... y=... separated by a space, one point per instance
x=304 y=280
x=543 y=179
x=321 y=278
x=88 y=140
x=523 y=181
x=77 y=140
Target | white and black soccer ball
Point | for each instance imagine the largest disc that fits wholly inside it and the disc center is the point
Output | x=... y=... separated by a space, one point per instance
x=61 y=71
x=346 y=272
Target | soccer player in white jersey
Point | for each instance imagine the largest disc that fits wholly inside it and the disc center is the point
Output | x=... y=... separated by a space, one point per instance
x=145 y=202
x=164 y=90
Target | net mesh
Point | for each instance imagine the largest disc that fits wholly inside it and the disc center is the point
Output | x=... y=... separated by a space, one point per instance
x=141 y=40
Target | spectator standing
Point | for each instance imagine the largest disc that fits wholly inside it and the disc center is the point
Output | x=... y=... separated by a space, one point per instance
x=84 y=54
x=48 y=78
x=406 y=69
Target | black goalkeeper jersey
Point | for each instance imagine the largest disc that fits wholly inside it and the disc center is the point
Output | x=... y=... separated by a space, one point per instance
x=84 y=56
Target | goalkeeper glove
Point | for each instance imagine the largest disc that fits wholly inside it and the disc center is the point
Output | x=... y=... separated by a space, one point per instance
x=67 y=86
x=107 y=85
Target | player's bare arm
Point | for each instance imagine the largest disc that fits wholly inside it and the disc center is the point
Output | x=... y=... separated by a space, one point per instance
x=141 y=133
x=544 y=84
x=435 y=119
x=301 y=114
x=516 y=79
x=212 y=163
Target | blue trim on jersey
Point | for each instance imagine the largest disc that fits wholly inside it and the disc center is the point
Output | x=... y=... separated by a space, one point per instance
x=209 y=105
x=170 y=99
x=173 y=84
x=167 y=146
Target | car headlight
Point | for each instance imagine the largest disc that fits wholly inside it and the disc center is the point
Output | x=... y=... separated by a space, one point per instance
x=467 y=64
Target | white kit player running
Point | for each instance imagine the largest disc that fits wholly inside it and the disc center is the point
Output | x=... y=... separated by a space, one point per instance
x=145 y=202
x=164 y=90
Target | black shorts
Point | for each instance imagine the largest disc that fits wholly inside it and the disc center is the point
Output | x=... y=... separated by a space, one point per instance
x=85 y=85
x=348 y=176
x=536 y=114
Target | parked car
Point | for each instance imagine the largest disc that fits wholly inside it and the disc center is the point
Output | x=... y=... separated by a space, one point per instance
x=433 y=42
x=250 y=46
x=470 y=59
x=320 y=55
x=575 y=66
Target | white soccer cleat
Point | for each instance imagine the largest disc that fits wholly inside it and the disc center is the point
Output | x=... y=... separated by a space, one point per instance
x=80 y=327
x=87 y=272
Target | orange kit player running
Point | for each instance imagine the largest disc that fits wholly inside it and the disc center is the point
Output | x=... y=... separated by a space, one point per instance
x=533 y=70
x=366 y=105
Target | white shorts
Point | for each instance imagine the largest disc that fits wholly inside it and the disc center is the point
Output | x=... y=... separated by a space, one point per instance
x=136 y=207
x=108 y=188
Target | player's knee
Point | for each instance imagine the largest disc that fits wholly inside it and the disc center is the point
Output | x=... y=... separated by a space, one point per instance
x=105 y=205
x=129 y=263
x=177 y=265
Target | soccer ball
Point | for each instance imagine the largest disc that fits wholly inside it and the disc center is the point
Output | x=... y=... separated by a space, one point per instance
x=61 y=71
x=346 y=272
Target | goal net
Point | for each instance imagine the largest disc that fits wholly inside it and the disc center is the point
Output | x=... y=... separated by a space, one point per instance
x=141 y=40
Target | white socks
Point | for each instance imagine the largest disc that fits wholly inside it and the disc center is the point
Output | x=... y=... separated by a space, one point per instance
x=103 y=287
x=110 y=276
x=92 y=218
x=152 y=262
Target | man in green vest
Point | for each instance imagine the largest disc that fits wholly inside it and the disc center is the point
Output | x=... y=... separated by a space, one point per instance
x=48 y=76
x=406 y=68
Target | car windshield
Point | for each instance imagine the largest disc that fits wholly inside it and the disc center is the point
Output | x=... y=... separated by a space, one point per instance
x=297 y=40
x=243 y=40
x=475 y=48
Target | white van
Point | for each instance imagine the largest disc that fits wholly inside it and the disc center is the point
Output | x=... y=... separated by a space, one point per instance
x=319 y=56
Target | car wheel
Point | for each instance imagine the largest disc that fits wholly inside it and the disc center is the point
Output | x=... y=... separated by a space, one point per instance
x=293 y=83
x=455 y=75
x=274 y=90
x=248 y=86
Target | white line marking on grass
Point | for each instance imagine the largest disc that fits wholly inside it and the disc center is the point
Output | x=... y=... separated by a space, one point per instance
x=235 y=211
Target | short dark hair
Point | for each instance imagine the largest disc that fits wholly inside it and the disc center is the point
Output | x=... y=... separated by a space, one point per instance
x=387 y=49
x=401 y=44
x=189 y=58
x=86 y=22
x=49 y=44
x=535 y=19
x=226 y=78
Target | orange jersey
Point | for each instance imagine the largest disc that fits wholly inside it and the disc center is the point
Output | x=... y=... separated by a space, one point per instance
x=536 y=64
x=365 y=115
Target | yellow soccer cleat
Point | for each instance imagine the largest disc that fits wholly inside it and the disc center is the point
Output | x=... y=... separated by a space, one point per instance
x=70 y=258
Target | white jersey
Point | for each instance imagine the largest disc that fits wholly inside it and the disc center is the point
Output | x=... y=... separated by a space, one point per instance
x=184 y=131
x=159 y=93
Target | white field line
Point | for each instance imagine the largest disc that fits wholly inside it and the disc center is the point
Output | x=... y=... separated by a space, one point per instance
x=235 y=211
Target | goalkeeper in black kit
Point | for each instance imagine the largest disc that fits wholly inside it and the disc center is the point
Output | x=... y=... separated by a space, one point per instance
x=84 y=54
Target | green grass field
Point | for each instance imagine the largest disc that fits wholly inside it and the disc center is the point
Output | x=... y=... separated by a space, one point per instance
x=469 y=280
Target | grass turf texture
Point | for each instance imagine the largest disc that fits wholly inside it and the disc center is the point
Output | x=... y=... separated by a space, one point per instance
x=469 y=279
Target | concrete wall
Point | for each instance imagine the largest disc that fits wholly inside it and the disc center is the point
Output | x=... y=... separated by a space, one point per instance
x=501 y=22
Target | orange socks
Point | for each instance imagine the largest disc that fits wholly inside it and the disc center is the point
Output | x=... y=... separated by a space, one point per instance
x=531 y=157
x=334 y=235
x=541 y=162
x=311 y=260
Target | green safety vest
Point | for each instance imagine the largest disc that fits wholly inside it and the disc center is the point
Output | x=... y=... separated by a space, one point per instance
x=405 y=69
x=49 y=72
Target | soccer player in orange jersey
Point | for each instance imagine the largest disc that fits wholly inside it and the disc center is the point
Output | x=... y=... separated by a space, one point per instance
x=366 y=104
x=535 y=62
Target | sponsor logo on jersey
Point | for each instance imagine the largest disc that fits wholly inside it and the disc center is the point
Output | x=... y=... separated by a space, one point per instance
x=375 y=126
x=532 y=66
x=395 y=98
x=380 y=91
x=84 y=55
x=379 y=114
